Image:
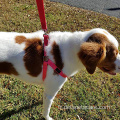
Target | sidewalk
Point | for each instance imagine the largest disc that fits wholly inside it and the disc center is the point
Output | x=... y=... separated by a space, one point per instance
x=109 y=7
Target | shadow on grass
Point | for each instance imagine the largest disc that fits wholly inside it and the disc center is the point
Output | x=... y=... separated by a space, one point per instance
x=12 y=112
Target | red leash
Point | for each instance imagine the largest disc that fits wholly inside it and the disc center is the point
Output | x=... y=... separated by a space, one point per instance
x=41 y=11
x=46 y=59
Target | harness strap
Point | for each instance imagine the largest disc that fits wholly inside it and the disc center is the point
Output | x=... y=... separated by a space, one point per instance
x=46 y=60
x=45 y=57
x=56 y=68
x=45 y=64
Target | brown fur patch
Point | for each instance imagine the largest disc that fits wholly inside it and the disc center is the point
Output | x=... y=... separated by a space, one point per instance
x=34 y=56
x=7 y=68
x=57 y=56
x=108 y=65
x=97 y=38
x=20 y=39
x=98 y=51
x=90 y=54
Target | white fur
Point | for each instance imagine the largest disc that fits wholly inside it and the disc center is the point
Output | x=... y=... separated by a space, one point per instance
x=69 y=44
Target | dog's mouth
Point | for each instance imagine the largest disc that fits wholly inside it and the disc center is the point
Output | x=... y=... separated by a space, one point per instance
x=107 y=71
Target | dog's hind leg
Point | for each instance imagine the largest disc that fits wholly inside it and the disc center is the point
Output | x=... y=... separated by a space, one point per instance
x=50 y=92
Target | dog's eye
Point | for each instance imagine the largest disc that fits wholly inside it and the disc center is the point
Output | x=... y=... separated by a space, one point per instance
x=115 y=52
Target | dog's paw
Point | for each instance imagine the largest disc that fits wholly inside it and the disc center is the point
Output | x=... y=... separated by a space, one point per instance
x=48 y=118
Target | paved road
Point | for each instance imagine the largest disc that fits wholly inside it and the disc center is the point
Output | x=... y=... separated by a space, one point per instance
x=109 y=7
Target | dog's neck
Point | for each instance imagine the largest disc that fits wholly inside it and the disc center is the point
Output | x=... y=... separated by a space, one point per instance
x=69 y=47
x=73 y=62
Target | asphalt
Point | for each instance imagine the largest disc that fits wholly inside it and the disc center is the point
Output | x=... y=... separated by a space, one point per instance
x=109 y=7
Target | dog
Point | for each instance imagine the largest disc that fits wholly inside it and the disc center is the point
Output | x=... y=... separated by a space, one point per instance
x=21 y=55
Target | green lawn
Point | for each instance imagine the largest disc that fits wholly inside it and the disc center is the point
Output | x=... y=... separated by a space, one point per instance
x=22 y=101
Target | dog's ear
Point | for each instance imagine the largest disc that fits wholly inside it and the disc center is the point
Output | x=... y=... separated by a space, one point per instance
x=91 y=54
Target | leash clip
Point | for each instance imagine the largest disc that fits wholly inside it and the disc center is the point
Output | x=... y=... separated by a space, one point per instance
x=46 y=37
x=45 y=32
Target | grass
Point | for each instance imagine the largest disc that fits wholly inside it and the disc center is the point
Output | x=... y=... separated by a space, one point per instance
x=22 y=101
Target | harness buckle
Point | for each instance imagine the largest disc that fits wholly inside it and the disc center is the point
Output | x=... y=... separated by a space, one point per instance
x=45 y=58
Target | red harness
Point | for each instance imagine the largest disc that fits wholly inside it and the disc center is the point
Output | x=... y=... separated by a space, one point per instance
x=46 y=60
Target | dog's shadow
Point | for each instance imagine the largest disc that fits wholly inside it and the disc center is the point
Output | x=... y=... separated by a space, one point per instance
x=9 y=113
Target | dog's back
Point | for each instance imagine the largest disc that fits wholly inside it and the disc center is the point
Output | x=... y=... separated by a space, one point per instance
x=18 y=51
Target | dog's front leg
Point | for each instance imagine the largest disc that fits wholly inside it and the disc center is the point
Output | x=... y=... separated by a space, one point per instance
x=50 y=92
x=47 y=102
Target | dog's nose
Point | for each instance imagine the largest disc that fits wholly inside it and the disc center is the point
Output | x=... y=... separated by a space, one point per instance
x=118 y=67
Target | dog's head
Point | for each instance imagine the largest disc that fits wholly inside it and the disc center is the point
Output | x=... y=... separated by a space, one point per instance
x=100 y=50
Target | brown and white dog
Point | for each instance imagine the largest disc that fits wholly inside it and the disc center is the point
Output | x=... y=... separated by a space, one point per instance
x=21 y=55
